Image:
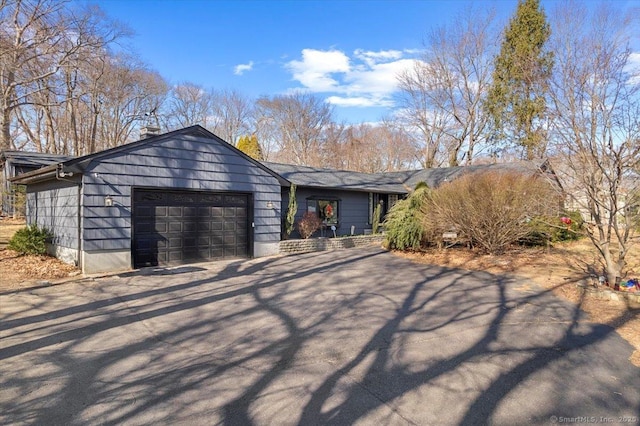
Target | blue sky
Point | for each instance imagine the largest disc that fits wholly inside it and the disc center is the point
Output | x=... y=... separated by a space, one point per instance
x=345 y=51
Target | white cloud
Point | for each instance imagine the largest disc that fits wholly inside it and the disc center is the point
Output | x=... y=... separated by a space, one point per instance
x=358 y=101
x=633 y=67
x=366 y=79
x=371 y=58
x=379 y=79
x=316 y=68
x=241 y=68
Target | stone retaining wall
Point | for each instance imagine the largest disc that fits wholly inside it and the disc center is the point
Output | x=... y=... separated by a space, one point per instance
x=322 y=244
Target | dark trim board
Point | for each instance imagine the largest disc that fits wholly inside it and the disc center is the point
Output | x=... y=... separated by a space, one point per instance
x=176 y=226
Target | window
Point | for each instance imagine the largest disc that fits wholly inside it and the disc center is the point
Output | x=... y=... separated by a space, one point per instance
x=393 y=199
x=327 y=209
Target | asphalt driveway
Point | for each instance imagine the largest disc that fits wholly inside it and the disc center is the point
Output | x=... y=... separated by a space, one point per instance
x=355 y=336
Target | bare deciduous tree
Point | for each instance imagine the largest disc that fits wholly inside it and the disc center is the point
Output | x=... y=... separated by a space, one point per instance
x=596 y=100
x=38 y=39
x=384 y=147
x=442 y=95
x=298 y=124
x=233 y=112
x=189 y=104
x=131 y=93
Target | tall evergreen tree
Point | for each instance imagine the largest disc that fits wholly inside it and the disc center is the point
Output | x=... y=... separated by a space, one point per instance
x=517 y=97
x=250 y=146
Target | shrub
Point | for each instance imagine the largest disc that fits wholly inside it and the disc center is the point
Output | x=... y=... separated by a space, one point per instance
x=490 y=210
x=377 y=212
x=405 y=229
x=292 y=209
x=546 y=229
x=309 y=224
x=30 y=240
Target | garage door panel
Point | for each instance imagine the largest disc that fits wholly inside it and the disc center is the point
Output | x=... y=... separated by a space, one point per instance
x=173 y=227
x=190 y=242
x=145 y=212
x=189 y=226
x=161 y=227
x=144 y=227
x=173 y=256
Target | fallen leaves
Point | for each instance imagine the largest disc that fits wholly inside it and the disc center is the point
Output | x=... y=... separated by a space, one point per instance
x=16 y=269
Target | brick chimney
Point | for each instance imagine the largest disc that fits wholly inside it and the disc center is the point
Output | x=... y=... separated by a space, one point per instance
x=149 y=131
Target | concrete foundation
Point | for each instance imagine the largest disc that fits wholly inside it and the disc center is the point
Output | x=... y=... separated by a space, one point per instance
x=96 y=262
x=65 y=254
x=266 y=249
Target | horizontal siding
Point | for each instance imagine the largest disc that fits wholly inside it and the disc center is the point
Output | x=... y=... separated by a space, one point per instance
x=185 y=162
x=55 y=207
x=353 y=208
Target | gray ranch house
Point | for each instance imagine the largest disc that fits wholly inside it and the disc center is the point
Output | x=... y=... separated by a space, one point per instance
x=188 y=196
x=353 y=196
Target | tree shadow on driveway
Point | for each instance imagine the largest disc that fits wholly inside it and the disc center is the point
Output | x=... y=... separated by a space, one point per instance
x=324 y=338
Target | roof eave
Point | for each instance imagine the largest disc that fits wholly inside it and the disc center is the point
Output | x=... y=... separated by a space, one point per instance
x=40 y=175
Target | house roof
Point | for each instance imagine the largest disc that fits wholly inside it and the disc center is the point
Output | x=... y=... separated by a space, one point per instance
x=78 y=164
x=437 y=176
x=32 y=159
x=400 y=182
x=317 y=177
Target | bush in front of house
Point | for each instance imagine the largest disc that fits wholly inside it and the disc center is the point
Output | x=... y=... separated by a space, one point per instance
x=309 y=224
x=31 y=239
x=490 y=210
x=551 y=229
x=404 y=226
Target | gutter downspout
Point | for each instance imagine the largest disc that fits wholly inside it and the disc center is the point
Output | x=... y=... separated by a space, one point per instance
x=80 y=206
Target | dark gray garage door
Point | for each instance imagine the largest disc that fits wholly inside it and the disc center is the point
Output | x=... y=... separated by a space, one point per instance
x=175 y=227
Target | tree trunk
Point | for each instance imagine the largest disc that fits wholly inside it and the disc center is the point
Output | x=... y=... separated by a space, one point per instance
x=5 y=129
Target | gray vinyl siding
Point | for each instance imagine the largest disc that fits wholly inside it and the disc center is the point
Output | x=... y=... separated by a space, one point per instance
x=353 y=208
x=5 y=198
x=183 y=162
x=54 y=205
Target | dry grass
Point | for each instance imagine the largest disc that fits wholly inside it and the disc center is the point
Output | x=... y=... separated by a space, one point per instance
x=558 y=268
x=8 y=227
